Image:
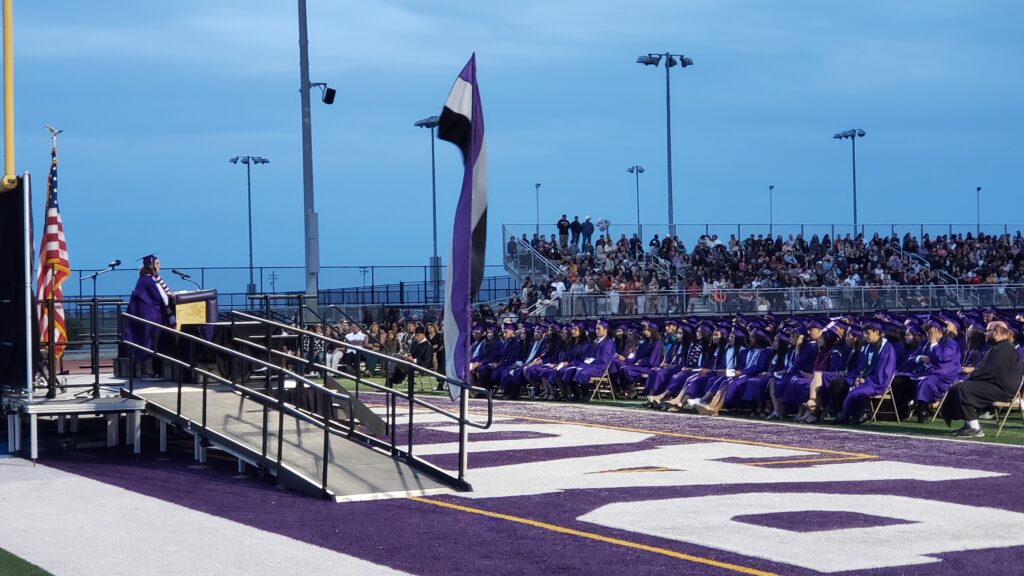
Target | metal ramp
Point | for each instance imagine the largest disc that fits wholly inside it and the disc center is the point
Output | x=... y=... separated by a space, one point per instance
x=234 y=423
x=304 y=433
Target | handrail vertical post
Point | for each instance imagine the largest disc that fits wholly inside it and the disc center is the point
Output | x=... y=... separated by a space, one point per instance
x=94 y=348
x=326 y=406
x=412 y=405
x=280 y=421
x=462 y=433
x=192 y=376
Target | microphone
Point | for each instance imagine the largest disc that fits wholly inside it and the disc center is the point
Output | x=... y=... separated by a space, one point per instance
x=114 y=264
x=180 y=273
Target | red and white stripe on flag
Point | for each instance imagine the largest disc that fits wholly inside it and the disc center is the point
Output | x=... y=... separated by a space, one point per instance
x=54 y=267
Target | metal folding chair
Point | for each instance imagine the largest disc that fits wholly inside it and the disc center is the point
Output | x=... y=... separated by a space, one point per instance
x=602 y=385
x=1014 y=402
x=879 y=399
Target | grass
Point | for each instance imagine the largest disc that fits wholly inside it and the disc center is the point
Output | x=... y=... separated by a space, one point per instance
x=11 y=565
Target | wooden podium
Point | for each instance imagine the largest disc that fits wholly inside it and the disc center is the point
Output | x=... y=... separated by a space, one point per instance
x=196 y=307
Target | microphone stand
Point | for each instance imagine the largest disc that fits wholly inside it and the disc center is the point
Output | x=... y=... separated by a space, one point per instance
x=94 y=348
x=187 y=278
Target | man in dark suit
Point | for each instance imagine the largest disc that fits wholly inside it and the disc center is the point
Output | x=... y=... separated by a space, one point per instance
x=996 y=379
x=420 y=352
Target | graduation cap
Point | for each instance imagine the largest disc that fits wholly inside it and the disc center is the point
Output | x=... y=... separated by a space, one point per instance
x=855 y=331
x=671 y=322
x=739 y=332
x=915 y=330
x=148 y=259
x=508 y=326
x=759 y=332
x=814 y=324
x=652 y=325
x=871 y=325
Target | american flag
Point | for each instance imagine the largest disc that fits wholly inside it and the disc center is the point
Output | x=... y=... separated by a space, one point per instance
x=54 y=267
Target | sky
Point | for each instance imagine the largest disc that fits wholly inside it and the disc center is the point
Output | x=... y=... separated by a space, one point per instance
x=155 y=97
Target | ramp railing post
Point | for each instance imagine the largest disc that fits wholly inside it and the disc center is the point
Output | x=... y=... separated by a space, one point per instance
x=463 y=401
x=412 y=388
x=326 y=406
x=94 y=349
x=280 y=421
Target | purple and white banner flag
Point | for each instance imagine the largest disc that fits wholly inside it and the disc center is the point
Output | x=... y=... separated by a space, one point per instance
x=462 y=124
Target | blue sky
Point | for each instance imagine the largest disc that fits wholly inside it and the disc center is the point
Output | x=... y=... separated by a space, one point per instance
x=156 y=96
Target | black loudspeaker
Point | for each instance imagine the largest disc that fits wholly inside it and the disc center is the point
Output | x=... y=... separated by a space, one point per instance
x=329 y=95
x=12 y=288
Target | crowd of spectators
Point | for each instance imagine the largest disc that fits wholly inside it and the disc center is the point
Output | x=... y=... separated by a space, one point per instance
x=629 y=276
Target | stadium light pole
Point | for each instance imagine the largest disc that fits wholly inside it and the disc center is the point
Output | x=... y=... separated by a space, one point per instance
x=637 y=170
x=310 y=224
x=977 y=207
x=435 y=264
x=249 y=161
x=852 y=135
x=671 y=60
x=771 y=216
x=537 y=190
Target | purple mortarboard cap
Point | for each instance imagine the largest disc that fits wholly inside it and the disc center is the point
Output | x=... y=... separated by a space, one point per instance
x=855 y=331
x=624 y=326
x=671 y=322
x=653 y=325
x=871 y=325
x=952 y=318
x=686 y=328
x=814 y=323
x=739 y=332
x=148 y=259
x=602 y=323
x=508 y=326
x=759 y=332
x=915 y=329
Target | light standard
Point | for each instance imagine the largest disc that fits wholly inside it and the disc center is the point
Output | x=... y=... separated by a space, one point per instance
x=670 y=61
x=977 y=200
x=249 y=161
x=537 y=189
x=638 y=170
x=435 y=264
x=310 y=226
x=771 y=216
x=852 y=135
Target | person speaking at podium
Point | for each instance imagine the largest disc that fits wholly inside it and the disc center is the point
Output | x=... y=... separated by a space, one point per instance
x=151 y=300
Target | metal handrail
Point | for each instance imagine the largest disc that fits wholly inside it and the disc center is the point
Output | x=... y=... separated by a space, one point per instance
x=391 y=395
x=278 y=402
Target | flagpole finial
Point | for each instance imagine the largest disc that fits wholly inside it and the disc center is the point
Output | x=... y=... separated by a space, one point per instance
x=53 y=133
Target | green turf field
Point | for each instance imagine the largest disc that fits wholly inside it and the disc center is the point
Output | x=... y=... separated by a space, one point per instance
x=11 y=565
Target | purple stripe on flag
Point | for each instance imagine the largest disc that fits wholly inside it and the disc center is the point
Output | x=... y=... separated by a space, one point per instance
x=462 y=123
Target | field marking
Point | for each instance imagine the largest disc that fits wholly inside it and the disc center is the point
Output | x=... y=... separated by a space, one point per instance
x=597 y=537
x=840 y=455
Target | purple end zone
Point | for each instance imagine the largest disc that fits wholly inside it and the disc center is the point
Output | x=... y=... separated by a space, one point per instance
x=407 y=534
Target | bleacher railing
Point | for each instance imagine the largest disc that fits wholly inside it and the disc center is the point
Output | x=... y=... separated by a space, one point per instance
x=689 y=233
x=853 y=299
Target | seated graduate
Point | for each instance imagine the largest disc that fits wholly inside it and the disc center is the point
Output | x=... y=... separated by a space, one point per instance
x=829 y=362
x=512 y=379
x=420 y=353
x=709 y=344
x=598 y=359
x=997 y=378
x=875 y=370
x=702 y=384
x=937 y=367
x=637 y=365
x=728 y=390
